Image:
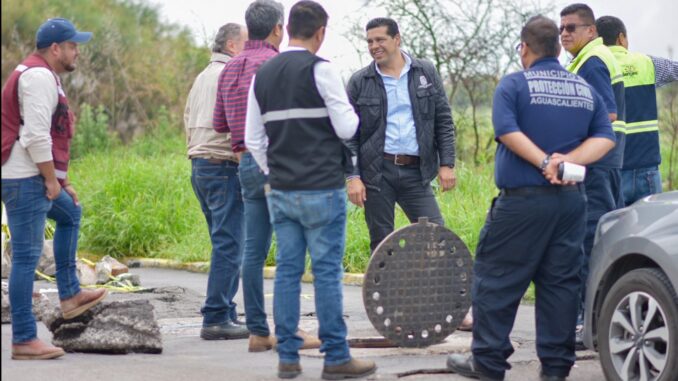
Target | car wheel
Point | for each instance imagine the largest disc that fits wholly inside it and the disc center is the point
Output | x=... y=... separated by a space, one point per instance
x=638 y=328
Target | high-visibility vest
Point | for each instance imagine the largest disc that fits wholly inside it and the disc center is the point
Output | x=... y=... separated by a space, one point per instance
x=642 y=128
x=596 y=48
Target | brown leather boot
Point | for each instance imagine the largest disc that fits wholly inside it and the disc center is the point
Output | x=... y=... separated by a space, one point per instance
x=352 y=369
x=310 y=341
x=288 y=370
x=261 y=343
x=81 y=302
x=35 y=349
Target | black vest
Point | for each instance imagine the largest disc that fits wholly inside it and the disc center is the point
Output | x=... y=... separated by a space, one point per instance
x=304 y=152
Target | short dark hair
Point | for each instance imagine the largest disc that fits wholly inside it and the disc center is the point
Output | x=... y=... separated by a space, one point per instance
x=541 y=35
x=609 y=28
x=262 y=16
x=390 y=24
x=306 y=17
x=582 y=10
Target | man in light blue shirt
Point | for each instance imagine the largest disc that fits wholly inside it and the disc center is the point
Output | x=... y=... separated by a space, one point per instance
x=405 y=137
x=401 y=135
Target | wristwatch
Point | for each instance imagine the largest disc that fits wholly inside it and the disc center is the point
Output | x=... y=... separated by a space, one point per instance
x=545 y=162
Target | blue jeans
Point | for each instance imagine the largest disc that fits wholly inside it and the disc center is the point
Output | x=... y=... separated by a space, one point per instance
x=313 y=220
x=27 y=209
x=218 y=189
x=258 y=232
x=638 y=183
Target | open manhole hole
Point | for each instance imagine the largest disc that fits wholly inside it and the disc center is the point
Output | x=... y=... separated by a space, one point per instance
x=417 y=287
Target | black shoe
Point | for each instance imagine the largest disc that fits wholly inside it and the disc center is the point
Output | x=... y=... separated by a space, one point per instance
x=225 y=331
x=543 y=377
x=466 y=367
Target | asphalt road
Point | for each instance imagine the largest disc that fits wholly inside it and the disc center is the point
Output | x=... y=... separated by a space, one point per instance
x=186 y=357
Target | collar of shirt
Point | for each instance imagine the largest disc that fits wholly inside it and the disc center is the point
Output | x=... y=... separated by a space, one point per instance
x=544 y=61
x=293 y=49
x=618 y=49
x=406 y=68
x=258 y=44
x=219 y=57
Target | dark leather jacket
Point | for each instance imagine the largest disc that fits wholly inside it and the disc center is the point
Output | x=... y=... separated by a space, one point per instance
x=432 y=120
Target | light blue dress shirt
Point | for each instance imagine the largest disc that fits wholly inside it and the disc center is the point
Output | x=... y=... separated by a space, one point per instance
x=401 y=135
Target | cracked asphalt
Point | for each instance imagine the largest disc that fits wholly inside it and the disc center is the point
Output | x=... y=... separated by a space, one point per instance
x=177 y=299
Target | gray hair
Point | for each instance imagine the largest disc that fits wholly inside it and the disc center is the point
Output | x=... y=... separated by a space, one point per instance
x=262 y=16
x=230 y=31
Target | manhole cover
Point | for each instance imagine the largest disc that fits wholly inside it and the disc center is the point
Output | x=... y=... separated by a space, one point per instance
x=417 y=287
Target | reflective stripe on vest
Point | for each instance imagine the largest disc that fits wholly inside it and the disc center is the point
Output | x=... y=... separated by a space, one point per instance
x=596 y=48
x=639 y=82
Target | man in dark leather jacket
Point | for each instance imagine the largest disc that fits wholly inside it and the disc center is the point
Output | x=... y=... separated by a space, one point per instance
x=405 y=137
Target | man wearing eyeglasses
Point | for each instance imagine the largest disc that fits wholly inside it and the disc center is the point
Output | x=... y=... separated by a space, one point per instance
x=642 y=75
x=594 y=62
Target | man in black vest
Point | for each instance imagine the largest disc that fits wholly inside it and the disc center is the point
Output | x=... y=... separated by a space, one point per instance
x=298 y=112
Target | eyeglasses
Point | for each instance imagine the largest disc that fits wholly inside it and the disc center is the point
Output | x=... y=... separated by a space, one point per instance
x=570 y=28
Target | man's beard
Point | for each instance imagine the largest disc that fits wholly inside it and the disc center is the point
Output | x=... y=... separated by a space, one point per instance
x=69 y=67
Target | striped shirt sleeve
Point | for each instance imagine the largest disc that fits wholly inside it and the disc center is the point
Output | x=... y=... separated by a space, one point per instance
x=665 y=71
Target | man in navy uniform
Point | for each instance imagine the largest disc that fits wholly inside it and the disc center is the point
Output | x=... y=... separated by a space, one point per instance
x=542 y=116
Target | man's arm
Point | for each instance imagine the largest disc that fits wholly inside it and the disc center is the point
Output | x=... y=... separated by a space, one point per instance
x=256 y=140
x=444 y=134
x=596 y=74
x=219 y=122
x=443 y=124
x=601 y=139
x=356 y=191
x=665 y=71
x=331 y=89
x=39 y=97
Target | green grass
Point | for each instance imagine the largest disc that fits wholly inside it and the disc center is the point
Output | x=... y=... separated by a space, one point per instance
x=138 y=201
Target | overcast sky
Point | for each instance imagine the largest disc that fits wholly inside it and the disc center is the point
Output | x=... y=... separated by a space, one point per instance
x=651 y=24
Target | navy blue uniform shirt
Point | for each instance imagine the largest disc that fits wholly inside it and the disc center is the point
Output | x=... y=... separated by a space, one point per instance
x=556 y=109
x=597 y=75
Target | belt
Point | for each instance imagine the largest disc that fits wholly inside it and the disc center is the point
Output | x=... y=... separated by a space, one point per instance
x=530 y=191
x=216 y=161
x=402 y=159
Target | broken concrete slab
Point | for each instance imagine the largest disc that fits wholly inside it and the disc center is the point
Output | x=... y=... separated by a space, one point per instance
x=103 y=272
x=110 y=327
x=85 y=273
x=117 y=268
x=6 y=317
x=40 y=302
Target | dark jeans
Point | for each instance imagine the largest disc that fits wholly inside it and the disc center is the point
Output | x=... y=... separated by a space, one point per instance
x=638 y=183
x=258 y=231
x=218 y=189
x=27 y=209
x=603 y=194
x=313 y=220
x=528 y=238
x=400 y=184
